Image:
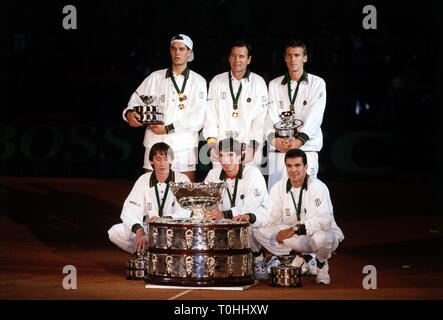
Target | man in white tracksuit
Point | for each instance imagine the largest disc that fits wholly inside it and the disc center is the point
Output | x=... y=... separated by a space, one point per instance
x=182 y=93
x=245 y=189
x=236 y=107
x=304 y=94
x=301 y=217
x=150 y=198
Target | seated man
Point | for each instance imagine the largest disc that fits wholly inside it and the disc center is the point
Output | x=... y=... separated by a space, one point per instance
x=150 y=198
x=301 y=217
x=245 y=188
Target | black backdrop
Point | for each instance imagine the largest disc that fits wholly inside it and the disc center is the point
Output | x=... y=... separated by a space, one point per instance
x=66 y=88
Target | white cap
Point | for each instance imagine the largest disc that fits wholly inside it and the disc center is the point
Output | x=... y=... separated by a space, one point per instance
x=187 y=41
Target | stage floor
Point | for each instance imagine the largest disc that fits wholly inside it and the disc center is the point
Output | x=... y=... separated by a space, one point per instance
x=48 y=223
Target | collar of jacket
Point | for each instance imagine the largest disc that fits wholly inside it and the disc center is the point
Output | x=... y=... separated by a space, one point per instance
x=185 y=73
x=239 y=173
x=246 y=75
x=304 y=186
x=304 y=77
x=153 y=179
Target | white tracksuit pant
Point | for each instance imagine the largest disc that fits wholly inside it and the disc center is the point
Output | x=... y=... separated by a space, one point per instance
x=123 y=237
x=322 y=243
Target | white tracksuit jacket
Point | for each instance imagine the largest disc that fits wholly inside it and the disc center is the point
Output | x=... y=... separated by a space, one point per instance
x=141 y=201
x=187 y=122
x=252 y=108
x=251 y=193
x=309 y=107
x=316 y=211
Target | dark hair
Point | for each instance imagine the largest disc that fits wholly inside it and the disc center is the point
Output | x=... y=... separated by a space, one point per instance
x=296 y=153
x=241 y=43
x=295 y=44
x=162 y=148
x=230 y=145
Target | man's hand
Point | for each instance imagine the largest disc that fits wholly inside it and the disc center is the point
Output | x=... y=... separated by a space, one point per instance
x=133 y=118
x=158 y=128
x=242 y=218
x=153 y=218
x=296 y=144
x=249 y=154
x=141 y=241
x=282 y=145
x=284 y=234
x=213 y=154
x=214 y=214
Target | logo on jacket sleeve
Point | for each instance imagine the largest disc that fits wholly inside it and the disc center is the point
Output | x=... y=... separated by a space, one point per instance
x=317 y=202
x=256 y=192
x=149 y=205
x=223 y=95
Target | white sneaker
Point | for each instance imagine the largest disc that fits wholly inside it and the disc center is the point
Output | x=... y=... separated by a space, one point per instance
x=323 y=274
x=299 y=262
x=312 y=265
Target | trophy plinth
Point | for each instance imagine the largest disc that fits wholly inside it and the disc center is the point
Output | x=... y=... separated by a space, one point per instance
x=197 y=197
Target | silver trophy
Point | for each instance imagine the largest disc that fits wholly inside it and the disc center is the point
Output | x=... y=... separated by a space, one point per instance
x=288 y=127
x=197 y=196
x=148 y=112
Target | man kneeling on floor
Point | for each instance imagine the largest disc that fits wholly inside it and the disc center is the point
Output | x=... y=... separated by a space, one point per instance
x=150 y=199
x=301 y=218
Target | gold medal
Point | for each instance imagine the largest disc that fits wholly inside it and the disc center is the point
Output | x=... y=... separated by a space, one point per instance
x=182 y=96
x=235 y=114
x=181 y=106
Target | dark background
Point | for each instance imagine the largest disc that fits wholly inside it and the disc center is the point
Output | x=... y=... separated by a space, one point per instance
x=66 y=88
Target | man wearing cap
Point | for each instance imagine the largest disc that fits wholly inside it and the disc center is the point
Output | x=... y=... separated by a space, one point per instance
x=182 y=93
x=305 y=95
x=237 y=106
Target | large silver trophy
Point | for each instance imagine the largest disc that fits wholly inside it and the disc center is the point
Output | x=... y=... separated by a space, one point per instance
x=288 y=127
x=197 y=196
x=148 y=112
x=199 y=251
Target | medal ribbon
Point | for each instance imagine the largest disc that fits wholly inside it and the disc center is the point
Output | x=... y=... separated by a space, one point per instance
x=297 y=209
x=162 y=204
x=234 y=98
x=176 y=86
x=292 y=99
x=234 y=196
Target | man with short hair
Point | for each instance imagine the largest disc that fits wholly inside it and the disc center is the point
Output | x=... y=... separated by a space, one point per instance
x=245 y=189
x=305 y=95
x=237 y=106
x=301 y=218
x=182 y=93
x=149 y=199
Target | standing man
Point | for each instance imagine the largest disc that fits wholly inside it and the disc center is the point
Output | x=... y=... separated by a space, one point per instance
x=237 y=106
x=182 y=93
x=150 y=198
x=301 y=218
x=305 y=95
